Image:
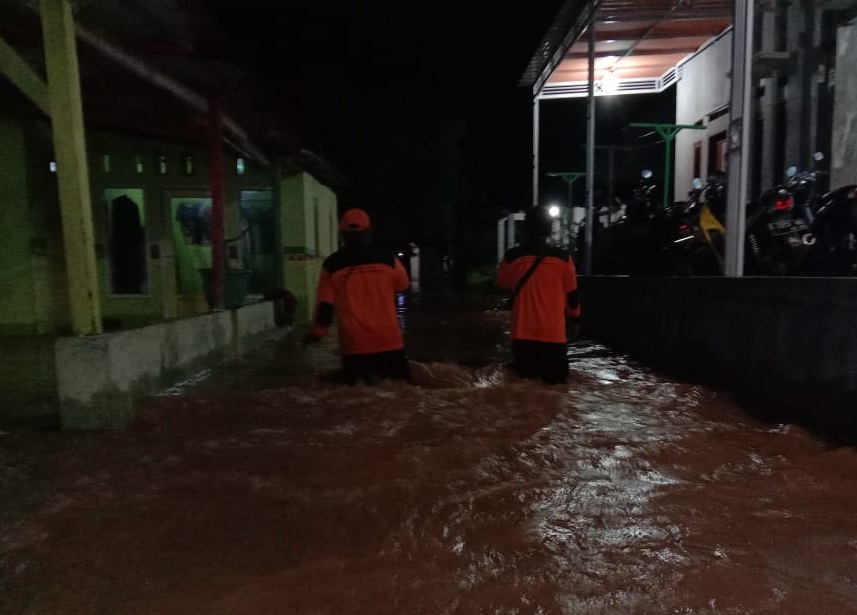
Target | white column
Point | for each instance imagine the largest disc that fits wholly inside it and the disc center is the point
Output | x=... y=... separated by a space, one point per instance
x=536 y=128
x=739 y=135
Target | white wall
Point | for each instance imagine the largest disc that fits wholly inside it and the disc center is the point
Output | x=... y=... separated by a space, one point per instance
x=704 y=87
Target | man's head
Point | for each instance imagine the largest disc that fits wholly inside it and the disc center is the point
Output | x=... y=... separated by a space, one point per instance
x=354 y=226
x=538 y=222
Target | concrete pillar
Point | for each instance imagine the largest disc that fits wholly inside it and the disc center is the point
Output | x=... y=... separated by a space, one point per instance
x=501 y=238
x=801 y=93
x=72 y=172
x=218 y=203
x=767 y=105
x=590 y=152
x=843 y=163
x=415 y=266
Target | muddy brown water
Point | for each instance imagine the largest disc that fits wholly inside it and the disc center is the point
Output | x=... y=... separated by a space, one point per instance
x=271 y=489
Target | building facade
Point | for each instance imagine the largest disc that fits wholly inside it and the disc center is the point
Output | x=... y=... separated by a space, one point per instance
x=805 y=97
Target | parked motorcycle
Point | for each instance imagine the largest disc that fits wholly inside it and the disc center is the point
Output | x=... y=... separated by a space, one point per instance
x=702 y=243
x=775 y=242
x=832 y=218
x=684 y=236
x=640 y=236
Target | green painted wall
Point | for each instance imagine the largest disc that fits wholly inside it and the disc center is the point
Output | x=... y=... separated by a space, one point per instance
x=293 y=214
x=48 y=255
x=17 y=290
x=309 y=226
x=302 y=280
x=167 y=174
x=325 y=235
x=33 y=286
x=309 y=216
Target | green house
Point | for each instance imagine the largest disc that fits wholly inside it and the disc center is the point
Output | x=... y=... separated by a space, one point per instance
x=112 y=168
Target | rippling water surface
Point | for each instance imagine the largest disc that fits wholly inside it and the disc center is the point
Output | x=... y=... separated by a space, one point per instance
x=271 y=489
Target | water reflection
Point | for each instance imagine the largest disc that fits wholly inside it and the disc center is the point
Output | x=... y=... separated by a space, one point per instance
x=270 y=489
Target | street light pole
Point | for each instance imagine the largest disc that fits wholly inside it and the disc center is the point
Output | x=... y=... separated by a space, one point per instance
x=569 y=177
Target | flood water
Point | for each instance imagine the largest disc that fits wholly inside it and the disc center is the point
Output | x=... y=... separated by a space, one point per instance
x=270 y=489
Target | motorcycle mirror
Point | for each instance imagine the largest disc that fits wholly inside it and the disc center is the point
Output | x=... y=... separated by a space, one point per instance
x=818 y=156
x=647 y=174
x=791 y=172
x=697 y=183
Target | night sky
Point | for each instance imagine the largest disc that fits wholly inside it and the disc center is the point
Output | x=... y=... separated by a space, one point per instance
x=333 y=68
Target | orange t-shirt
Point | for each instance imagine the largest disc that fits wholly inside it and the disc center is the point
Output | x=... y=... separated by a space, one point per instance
x=359 y=283
x=547 y=298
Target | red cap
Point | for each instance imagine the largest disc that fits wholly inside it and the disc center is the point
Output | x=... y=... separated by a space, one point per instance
x=354 y=220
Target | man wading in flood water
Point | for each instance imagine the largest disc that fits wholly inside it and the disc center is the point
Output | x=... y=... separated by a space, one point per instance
x=543 y=283
x=358 y=284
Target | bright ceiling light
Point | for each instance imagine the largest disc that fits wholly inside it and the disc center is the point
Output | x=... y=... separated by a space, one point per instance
x=606 y=63
x=609 y=83
x=553 y=210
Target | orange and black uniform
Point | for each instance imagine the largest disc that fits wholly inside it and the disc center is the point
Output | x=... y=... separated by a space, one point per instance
x=542 y=306
x=358 y=284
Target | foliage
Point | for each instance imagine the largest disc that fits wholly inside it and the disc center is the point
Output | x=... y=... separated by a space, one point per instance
x=482 y=278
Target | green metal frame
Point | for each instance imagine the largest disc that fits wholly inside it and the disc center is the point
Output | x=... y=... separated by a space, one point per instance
x=569 y=177
x=668 y=133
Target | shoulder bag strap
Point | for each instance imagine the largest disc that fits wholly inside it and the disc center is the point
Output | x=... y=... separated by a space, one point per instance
x=526 y=277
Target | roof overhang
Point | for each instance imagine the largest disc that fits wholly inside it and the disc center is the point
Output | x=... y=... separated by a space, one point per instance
x=639 y=45
x=137 y=60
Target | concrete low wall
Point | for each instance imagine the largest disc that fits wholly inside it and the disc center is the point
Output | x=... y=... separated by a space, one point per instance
x=250 y=323
x=789 y=338
x=100 y=377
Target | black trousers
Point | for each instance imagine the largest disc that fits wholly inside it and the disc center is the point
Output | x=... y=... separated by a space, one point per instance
x=370 y=368
x=541 y=360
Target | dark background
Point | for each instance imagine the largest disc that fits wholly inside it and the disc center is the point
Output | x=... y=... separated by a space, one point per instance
x=418 y=104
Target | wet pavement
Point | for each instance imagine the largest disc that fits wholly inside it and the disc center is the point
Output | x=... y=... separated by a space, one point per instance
x=271 y=489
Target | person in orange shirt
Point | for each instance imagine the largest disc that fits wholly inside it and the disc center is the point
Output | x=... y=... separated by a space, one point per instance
x=358 y=285
x=544 y=282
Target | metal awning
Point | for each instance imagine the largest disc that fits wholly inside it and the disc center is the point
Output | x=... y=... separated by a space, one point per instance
x=640 y=45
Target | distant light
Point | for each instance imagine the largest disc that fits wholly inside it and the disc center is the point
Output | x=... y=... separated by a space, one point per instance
x=553 y=210
x=239 y=166
x=53 y=166
x=401 y=253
